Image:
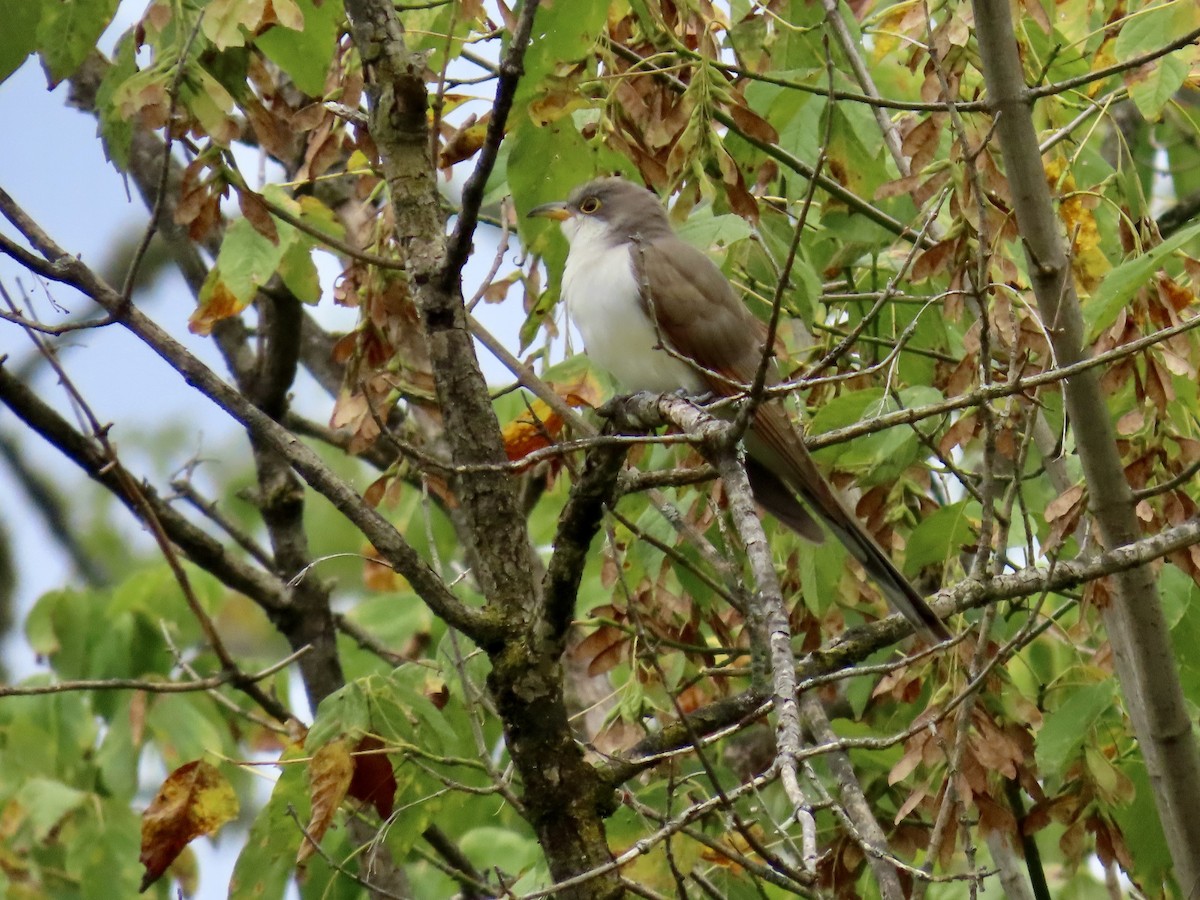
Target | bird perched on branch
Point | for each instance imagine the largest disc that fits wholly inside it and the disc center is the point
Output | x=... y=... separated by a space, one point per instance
x=660 y=316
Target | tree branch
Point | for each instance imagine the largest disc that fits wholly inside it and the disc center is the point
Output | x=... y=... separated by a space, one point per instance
x=390 y=544
x=1134 y=621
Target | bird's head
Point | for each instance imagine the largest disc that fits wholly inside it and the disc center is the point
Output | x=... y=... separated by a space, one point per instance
x=613 y=207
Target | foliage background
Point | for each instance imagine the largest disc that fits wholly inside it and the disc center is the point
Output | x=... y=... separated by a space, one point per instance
x=655 y=629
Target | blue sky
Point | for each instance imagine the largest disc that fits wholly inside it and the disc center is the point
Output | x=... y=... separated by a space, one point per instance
x=54 y=166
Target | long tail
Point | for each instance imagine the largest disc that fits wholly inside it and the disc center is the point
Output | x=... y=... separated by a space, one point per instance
x=781 y=469
x=899 y=592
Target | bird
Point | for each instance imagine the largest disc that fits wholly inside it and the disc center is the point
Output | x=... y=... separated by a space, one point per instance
x=660 y=316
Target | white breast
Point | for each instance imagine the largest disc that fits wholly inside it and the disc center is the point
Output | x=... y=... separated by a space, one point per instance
x=602 y=296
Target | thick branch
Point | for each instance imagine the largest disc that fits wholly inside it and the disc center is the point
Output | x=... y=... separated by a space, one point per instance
x=200 y=547
x=855 y=645
x=564 y=800
x=390 y=544
x=1135 y=622
x=502 y=558
x=580 y=520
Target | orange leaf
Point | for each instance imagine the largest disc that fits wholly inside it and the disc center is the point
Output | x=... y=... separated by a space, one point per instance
x=539 y=425
x=329 y=774
x=220 y=304
x=378 y=575
x=195 y=800
x=535 y=429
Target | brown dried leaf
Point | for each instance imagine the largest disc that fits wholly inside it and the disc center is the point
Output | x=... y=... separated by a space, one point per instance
x=330 y=771
x=282 y=12
x=497 y=291
x=898 y=187
x=603 y=649
x=1158 y=385
x=374 y=781
x=539 y=425
x=1033 y=10
x=254 y=208
x=464 y=142
x=914 y=751
x=741 y=201
x=692 y=698
x=1063 y=514
x=932 y=261
x=750 y=122
x=1131 y=423
x=199 y=206
x=274 y=133
x=220 y=303
x=921 y=143
x=377 y=574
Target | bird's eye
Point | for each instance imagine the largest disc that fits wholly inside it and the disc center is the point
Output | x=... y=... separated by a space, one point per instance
x=589 y=205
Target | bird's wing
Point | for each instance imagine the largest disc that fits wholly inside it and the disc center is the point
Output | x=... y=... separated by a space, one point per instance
x=697 y=312
x=703 y=320
x=726 y=341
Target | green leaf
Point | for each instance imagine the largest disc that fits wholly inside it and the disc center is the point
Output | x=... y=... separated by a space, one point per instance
x=345 y=711
x=116 y=131
x=410 y=682
x=314 y=213
x=18 y=37
x=562 y=33
x=68 y=32
x=1153 y=93
x=44 y=735
x=245 y=262
x=211 y=104
x=265 y=865
x=1125 y=280
x=877 y=457
x=305 y=55
x=1148 y=28
x=509 y=850
x=845 y=409
x=103 y=853
x=1065 y=730
x=940 y=536
x=850 y=158
x=1141 y=826
x=706 y=231
x=117 y=757
x=390 y=710
x=47 y=802
x=186 y=727
x=66 y=626
x=299 y=273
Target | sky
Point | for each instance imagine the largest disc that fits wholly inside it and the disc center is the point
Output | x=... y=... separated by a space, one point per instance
x=54 y=166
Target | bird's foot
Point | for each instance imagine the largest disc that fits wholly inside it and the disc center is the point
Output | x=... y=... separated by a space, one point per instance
x=701 y=399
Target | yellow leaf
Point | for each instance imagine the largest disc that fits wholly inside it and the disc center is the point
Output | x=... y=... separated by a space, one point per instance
x=195 y=800
x=539 y=425
x=1088 y=262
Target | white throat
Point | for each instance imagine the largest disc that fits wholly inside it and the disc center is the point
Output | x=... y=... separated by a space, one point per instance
x=603 y=299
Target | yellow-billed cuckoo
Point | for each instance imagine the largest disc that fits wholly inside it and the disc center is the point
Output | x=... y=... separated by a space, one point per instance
x=631 y=287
